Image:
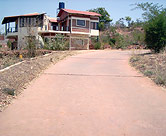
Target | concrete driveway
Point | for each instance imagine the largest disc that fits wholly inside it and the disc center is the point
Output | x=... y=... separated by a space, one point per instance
x=90 y=94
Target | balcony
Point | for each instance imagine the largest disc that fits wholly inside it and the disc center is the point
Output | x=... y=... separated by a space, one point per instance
x=63 y=28
x=12 y=31
x=55 y=29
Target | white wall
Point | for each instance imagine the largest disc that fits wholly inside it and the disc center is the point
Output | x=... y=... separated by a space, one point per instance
x=94 y=32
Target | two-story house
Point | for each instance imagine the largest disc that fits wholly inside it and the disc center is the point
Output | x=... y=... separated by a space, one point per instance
x=71 y=23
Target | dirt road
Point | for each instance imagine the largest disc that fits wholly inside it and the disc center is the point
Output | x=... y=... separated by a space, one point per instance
x=91 y=94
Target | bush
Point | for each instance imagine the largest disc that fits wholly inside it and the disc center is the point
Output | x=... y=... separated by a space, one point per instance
x=97 y=45
x=120 y=42
x=112 y=42
x=57 y=43
x=160 y=79
x=9 y=44
x=138 y=37
x=148 y=73
x=0 y=46
x=31 y=46
x=9 y=91
x=155 y=33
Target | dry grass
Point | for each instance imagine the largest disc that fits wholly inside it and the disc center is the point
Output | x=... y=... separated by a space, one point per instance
x=13 y=80
x=152 y=66
x=10 y=57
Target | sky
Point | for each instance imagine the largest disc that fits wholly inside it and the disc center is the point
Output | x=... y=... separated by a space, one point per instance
x=116 y=8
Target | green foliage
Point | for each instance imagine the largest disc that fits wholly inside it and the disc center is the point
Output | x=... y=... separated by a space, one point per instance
x=150 y=10
x=101 y=26
x=128 y=19
x=138 y=37
x=137 y=23
x=120 y=23
x=112 y=42
x=104 y=38
x=104 y=18
x=120 y=41
x=57 y=43
x=155 y=26
x=134 y=59
x=9 y=44
x=0 y=46
x=97 y=45
x=160 y=79
x=112 y=30
x=31 y=45
x=9 y=91
x=155 y=33
x=148 y=73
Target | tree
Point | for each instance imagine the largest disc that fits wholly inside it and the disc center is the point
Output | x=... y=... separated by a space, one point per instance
x=155 y=25
x=150 y=10
x=155 y=33
x=104 y=18
x=32 y=41
x=128 y=19
x=120 y=23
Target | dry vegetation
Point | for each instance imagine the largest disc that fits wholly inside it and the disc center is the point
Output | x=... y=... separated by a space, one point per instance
x=152 y=66
x=13 y=80
x=9 y=57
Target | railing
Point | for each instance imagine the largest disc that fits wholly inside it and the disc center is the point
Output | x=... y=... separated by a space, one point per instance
x=56 y=28
x=12 y=30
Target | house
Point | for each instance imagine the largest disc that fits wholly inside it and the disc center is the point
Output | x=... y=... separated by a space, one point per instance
x=77 y=26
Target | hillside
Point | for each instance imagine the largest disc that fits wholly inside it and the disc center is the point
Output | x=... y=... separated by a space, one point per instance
x=123 y=37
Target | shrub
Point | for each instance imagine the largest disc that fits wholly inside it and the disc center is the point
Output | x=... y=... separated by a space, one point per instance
x=0 y=46
x=9 y=91
x=120 y=41
x=134 y=58
x=9 y=44
x=138 y=37
x=112 y=42
x=148 y=73
x=160 y=79
x=97 y=45
x=155 y=33
x=155 y=25
x=57 y=43
x=31 y=46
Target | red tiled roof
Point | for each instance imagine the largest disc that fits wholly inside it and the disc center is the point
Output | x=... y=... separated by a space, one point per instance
x=53 y=19
x=31 y=14
x=26 y=15
x=79 y=12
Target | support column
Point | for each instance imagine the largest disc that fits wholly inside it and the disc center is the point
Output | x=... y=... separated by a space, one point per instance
x=9 y=26
x=88 y=44
x=70 y=43
x=5 y=29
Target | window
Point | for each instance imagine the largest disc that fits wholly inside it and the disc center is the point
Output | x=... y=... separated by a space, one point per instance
x=80 y=22
x=94 y=25
x=21 y=22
